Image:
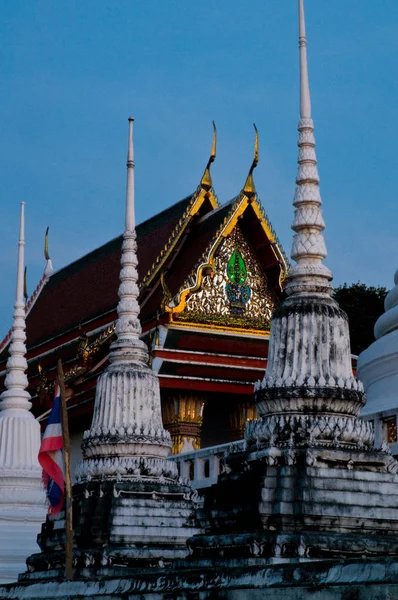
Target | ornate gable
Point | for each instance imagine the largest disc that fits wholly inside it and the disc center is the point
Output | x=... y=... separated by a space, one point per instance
x=238 y=271
x=235 y=293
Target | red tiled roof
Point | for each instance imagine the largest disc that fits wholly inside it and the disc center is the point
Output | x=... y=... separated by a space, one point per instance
x=88 y=287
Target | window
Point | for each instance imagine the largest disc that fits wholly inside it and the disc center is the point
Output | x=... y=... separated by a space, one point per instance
x=391 y=430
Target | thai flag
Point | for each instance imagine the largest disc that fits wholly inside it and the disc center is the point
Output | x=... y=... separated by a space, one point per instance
x=51 y=457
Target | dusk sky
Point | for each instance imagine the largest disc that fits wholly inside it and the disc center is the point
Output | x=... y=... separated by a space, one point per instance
x=72 y=72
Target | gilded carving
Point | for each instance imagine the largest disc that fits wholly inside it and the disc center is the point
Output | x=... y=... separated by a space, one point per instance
x=183 y=417
x=241 y=414
x=236 y=292
x=85 y=351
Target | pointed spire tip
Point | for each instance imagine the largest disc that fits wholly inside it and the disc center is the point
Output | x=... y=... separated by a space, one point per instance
x=130 y=208
x=305 y=97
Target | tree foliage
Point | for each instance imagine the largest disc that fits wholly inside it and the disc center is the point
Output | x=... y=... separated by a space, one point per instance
x=363 y=305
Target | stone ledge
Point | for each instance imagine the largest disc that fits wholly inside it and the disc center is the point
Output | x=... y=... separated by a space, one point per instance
x=319 y=580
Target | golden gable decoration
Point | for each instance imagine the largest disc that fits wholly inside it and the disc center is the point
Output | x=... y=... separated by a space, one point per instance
x=235 y=293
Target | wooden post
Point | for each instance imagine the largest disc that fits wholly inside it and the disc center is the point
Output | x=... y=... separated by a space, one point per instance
x=68 y=482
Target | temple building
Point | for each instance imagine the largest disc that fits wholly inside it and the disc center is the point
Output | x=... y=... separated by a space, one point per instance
x=210 y=276
x=307 y=504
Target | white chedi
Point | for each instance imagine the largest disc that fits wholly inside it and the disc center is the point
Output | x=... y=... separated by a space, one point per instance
x=22 y=498
x=378 y=364
x=126 y=437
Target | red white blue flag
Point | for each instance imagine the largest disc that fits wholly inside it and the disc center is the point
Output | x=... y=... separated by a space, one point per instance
x=51 y=457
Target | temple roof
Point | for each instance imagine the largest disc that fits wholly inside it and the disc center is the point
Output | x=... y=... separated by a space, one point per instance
x=170 y=245
x=88 y=287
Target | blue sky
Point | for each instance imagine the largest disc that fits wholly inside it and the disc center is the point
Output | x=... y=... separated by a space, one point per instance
x=71 y=73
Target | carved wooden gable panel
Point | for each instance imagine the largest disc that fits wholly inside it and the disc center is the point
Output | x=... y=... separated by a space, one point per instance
x=236 y=293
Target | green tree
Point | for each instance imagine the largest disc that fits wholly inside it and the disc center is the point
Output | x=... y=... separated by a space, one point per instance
x=363 y=305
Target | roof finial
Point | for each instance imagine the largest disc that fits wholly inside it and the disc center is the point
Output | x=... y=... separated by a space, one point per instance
x=49 y=267
x=25 y=285
x=249 y=188
x=46 y=254
x=305 y=98
x=309 y=275
x=206 y=181
x=16 y=396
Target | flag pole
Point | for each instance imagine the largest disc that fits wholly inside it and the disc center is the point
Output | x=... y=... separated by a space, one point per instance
x=68 y=482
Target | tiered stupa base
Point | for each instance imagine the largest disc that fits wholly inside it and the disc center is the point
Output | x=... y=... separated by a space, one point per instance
x=298 y=505
x=322 y=580
x=118 y=526
x=311 y=485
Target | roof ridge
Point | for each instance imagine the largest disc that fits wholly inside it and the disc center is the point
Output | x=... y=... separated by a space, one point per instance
x=117 y=237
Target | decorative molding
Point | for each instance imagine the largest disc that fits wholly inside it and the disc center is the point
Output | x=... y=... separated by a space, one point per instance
x=309 y=431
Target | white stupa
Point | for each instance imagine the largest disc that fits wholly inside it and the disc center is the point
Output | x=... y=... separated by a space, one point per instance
x=378 y=370
x=22 y=497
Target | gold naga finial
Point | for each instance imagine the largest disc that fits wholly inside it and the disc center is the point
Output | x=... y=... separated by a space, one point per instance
x=249 y=188
x=46 y=254
x=206 y=181
x=49 y=267
x=25 y=286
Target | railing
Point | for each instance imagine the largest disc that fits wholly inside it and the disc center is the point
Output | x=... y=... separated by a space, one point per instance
x=202 y=467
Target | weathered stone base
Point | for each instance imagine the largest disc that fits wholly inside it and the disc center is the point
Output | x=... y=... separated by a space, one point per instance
x=324 y=580
x=309 y=503
x=118 y=524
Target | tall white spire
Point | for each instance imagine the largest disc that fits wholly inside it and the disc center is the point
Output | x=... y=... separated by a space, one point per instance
x=309 y=275
x=16 y=397
x=22 y=499
x=128 y=345
x=126 y=447
x=127 y=403
x=309 y=345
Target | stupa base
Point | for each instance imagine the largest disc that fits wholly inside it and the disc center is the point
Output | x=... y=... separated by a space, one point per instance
x=323 y=580
x=118 y=525
x=303 y=503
